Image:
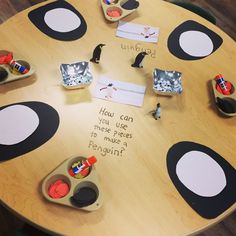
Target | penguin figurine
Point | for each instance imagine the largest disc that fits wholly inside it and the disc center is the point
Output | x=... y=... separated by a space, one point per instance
x=139 y=60
x=157 y=113
x=97 y=53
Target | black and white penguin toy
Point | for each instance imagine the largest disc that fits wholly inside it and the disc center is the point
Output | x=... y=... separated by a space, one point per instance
x=97 y=53
x=139 y=60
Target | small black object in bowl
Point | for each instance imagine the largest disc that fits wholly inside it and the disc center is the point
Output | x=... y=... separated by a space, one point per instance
x=130 y=4
x=3 y=74
x=227 y=105
x=84 y=197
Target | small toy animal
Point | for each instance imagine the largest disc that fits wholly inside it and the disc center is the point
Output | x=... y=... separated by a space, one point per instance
x=139 y=60
x=97 y=53
x=157 y=113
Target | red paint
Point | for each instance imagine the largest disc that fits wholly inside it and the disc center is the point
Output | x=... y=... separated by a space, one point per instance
x=5 y=57
x=114 y=13
x=58 y=189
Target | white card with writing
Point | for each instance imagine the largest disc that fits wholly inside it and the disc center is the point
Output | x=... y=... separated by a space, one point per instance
x=139 y=32
x=118 y=91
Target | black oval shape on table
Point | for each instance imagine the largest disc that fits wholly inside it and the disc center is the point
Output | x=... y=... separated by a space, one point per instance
x=37 y=17
x=48 y=125
x=207 y=207
x=173 y=42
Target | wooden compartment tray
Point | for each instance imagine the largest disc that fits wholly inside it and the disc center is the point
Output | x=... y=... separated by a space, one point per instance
x=89 y=181
x=115 y=10
x=12 y=75
x=225 y=102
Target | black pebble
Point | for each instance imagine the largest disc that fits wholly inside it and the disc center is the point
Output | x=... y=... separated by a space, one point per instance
x=84 y=197
x=130 y=5
x=3 y=75
x=226 y=105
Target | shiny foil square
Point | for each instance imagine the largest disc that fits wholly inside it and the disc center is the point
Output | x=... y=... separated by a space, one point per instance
x=167 y=82
x=76 y=75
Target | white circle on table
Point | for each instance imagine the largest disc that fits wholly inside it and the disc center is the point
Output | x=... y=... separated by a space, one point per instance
x=201 y=174
x=62 y=20
x=17 y=123
x=196 y=43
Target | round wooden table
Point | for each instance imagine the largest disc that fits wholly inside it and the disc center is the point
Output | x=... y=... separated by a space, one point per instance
x=139 y=197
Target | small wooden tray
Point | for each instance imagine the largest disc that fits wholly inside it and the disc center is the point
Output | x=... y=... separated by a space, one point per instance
x=230 y=99
x=61 y=172
x=14 y=75
x=122 y=7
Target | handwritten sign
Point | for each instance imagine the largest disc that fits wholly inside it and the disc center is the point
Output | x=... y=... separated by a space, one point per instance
x=114 y=131
x=138 y=48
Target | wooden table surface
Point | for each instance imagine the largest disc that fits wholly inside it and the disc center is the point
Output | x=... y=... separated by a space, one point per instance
x=138 y=195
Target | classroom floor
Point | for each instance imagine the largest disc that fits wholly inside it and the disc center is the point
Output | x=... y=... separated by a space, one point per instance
x=225 y=13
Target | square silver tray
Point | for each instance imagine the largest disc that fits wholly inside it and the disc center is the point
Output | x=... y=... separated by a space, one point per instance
x=167 y=82
x=76 y=75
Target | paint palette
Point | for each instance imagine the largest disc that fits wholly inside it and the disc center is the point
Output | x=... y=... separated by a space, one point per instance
x=115 y=10
x=8 y=74
x=225 y=103
x=86 y=189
